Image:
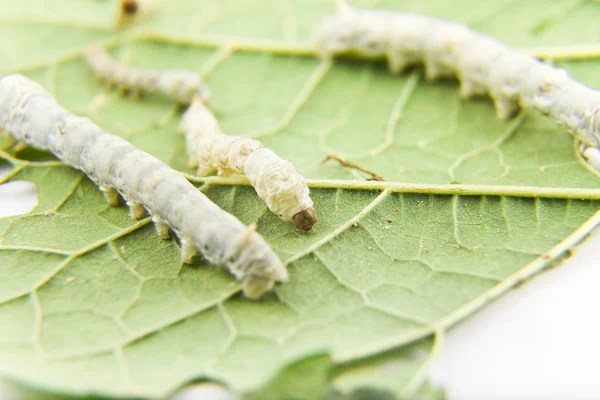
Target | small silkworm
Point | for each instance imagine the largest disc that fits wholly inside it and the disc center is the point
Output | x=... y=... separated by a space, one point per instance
x=274 y=179
x=179 y=85
x=482 y=65
x=31 y=115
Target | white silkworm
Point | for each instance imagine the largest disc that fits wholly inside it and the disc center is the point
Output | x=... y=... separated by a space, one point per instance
x=482 y=65
x=179 y=85
x=274 y=179
x=31 y=115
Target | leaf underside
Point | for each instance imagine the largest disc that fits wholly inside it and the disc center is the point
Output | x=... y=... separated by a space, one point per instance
x=92 y=302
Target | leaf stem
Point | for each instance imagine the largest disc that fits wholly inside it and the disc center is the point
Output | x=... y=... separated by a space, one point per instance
x=568 y=52
x=424 y=188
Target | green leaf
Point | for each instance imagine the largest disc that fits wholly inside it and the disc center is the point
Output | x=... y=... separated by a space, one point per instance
x=399 y=373
x=92 y=302
x=305 y=380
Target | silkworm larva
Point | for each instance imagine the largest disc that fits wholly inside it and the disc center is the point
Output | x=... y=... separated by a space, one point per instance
x=179 y=85
x=482 y=65
x=274 y=179
x=31 y=115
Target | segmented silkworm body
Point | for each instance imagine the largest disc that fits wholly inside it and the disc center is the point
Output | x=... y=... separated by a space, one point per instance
x=31 y=115
x=274 y=179
x=482 y=65
x=179 y=85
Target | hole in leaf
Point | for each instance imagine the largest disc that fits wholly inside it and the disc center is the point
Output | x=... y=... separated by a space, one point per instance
x=31 y=154
x=17 y=197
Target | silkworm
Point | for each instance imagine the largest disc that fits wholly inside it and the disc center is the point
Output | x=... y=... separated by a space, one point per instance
x=178 y=85
x=31 y=115
x=482 y=65
x=274 y=179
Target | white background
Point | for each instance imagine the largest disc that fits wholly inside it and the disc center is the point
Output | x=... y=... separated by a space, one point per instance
x=540 y=341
